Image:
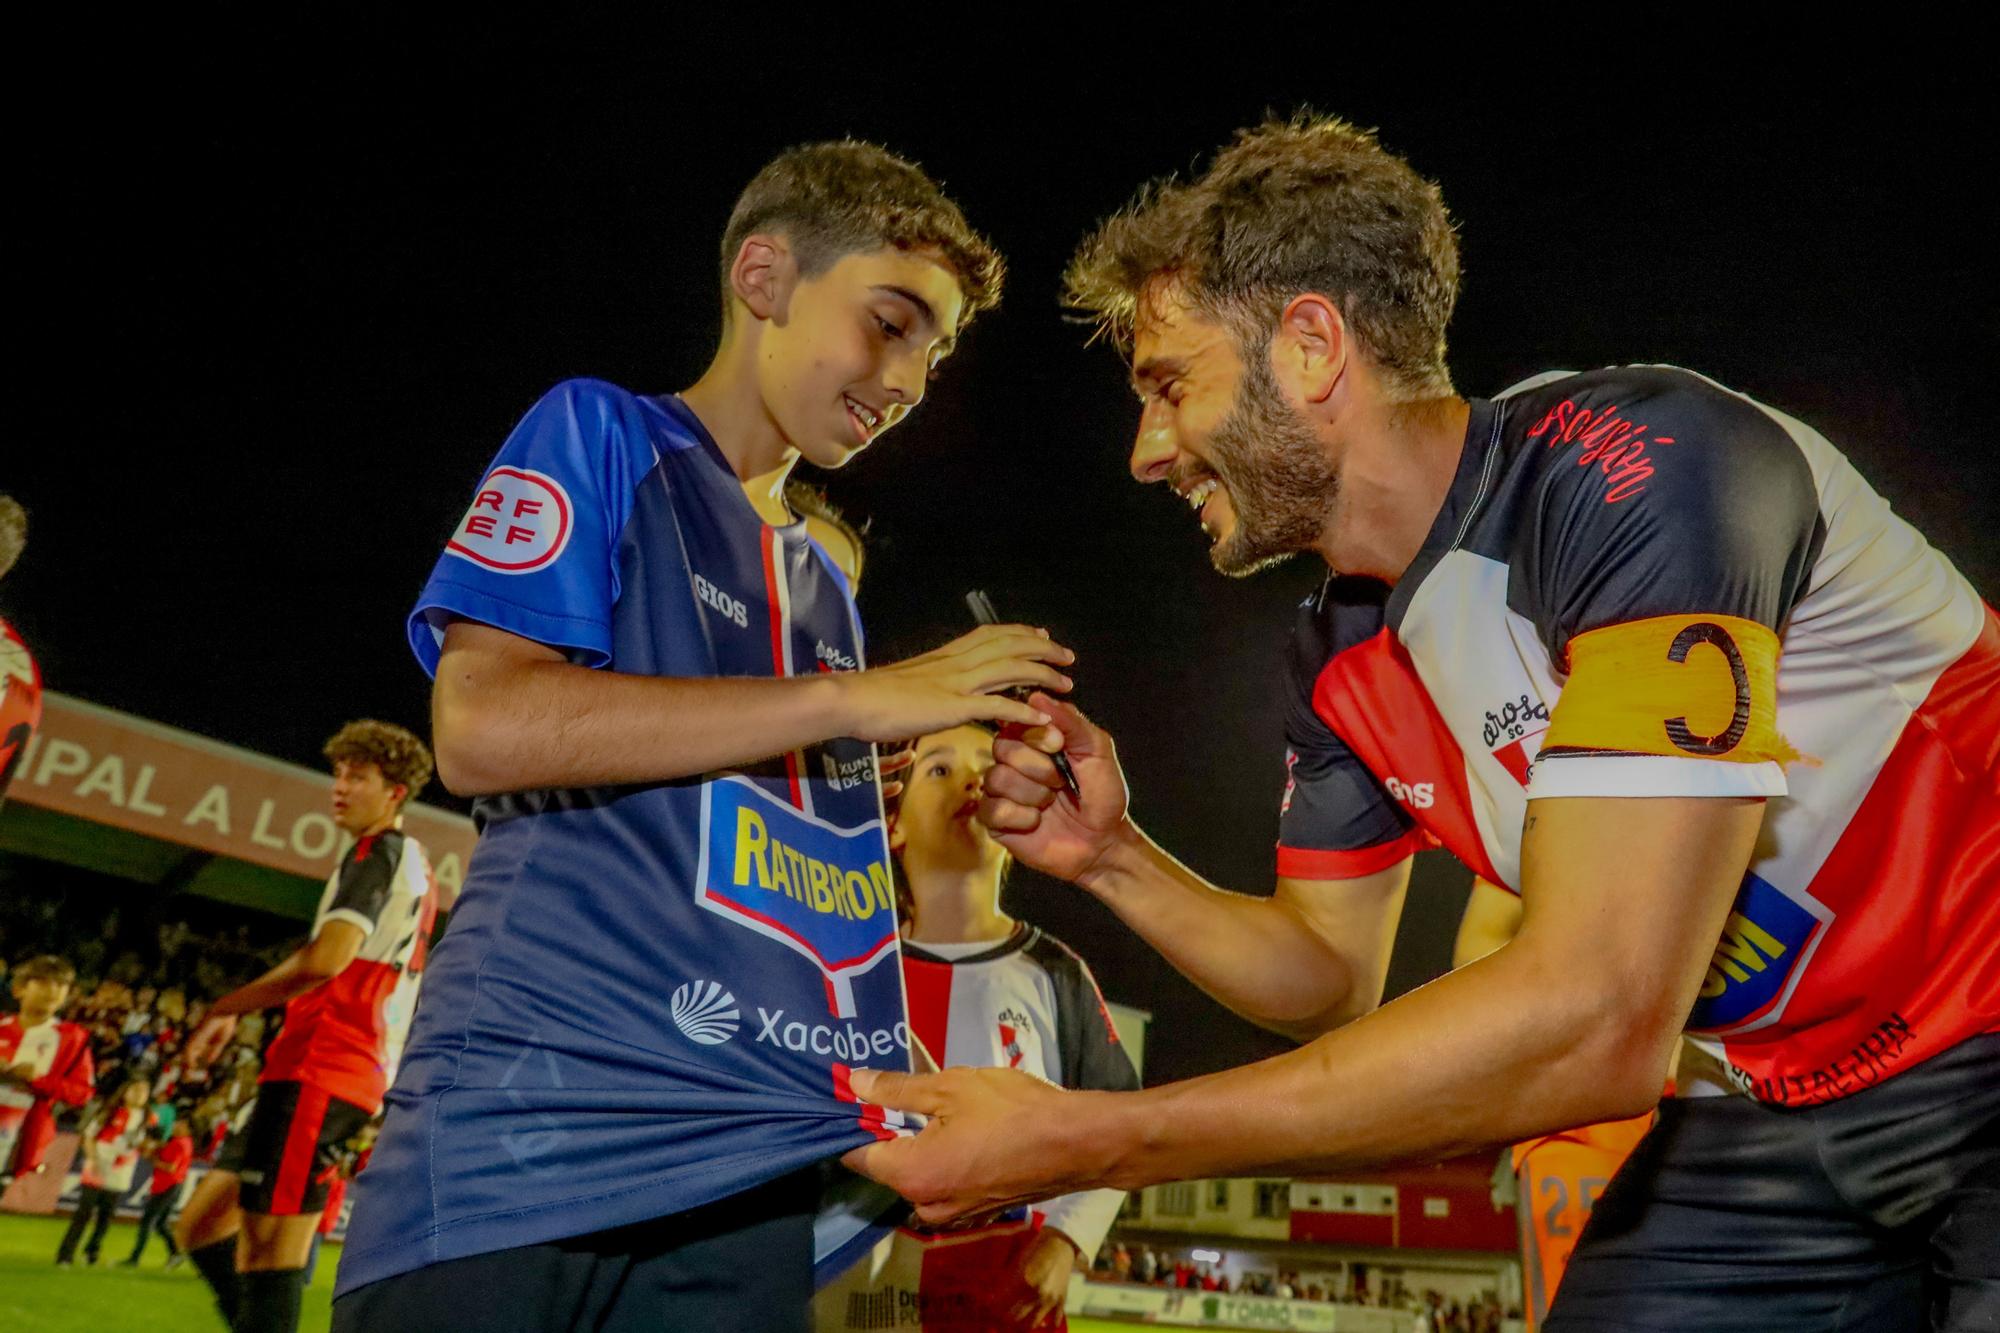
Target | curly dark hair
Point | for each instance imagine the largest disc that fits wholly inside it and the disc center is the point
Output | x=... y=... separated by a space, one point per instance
x=1309 y=203
x=835 y=199
x=403 y=758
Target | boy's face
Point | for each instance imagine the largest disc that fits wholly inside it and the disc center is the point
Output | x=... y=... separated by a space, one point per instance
x=852 y=350
x=40 y=996
x=938 y=816
x=362 y=797
x=138 y=1094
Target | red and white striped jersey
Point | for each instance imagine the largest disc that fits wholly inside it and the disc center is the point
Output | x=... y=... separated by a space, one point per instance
x=345 y=1037
x=111 y=1158
x=1644 y=584
x=1026 y=1002
x=20 y=702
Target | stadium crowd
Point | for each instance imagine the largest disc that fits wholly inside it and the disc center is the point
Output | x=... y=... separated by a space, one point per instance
x=143 y=984
x=1436 y=1313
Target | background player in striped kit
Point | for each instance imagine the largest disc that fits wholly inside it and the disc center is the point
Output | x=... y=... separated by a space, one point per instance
x=988 y=990
x=347 y=994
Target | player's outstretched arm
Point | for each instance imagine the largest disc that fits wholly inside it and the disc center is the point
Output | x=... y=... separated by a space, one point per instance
x=1573 y=1022
x=509 y=714
x=1300 y=962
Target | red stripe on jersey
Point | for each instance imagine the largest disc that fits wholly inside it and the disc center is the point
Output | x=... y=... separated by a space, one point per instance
x=872 y=1117
x=1312 y=863
x=1374 y=700
x=301 y=1147
x=928 y=989
x=1916 y=925
x=770 y=544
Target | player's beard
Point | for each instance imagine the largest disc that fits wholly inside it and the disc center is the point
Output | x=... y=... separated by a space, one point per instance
x=1281 y=484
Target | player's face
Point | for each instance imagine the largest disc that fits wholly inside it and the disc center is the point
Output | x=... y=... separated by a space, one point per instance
x=854 y=349
x=41 y=995
x=362 y=797
x=137 y=1094
x=937 y=820
x=1215 y=426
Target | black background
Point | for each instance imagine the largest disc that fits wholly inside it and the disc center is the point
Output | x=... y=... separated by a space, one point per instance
x=284 y=290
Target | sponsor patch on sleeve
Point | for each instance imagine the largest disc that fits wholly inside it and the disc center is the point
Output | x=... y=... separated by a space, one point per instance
x=1693 y=686
x=518 y=523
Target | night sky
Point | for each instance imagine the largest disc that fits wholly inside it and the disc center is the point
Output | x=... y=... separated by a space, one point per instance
x=280 y=307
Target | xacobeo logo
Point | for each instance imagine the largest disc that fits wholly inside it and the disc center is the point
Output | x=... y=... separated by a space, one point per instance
x=704 y=1012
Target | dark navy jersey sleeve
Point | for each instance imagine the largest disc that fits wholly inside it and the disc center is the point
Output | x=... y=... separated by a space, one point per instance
x=1673 y=530
x=1092 y=1056
x=367 y=876
x=1335 y=820
x=535 y=553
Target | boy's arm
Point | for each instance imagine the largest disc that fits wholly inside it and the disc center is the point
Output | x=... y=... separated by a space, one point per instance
x=510 y=714
x=71 y=1084
x=312 y=964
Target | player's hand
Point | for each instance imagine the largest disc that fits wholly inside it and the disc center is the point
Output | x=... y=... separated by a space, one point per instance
x=21 y=1072
x=1045 y=1268
x=1029 y=808
x=995 y=1138
x=958 y=683
x=208 y=1040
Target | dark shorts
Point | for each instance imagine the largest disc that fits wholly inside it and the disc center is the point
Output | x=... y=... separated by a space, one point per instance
x=1878 y=1212
x=740 y=1265
x=286 y=1155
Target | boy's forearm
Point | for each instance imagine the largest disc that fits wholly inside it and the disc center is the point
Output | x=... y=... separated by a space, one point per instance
x=516 y=726
x=282 y=984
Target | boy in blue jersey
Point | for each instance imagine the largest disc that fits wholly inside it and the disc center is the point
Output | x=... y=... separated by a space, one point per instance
x=677 y=933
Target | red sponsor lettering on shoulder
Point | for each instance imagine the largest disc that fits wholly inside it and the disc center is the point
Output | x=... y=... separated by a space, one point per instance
x=1615 y=446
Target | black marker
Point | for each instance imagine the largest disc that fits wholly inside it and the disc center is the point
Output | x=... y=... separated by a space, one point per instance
x=982 y=611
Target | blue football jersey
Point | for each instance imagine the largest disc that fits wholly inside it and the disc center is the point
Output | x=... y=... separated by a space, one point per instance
x=650 y=996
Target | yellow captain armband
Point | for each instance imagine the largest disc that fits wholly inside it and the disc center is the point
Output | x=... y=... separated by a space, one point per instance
x=1701 y=687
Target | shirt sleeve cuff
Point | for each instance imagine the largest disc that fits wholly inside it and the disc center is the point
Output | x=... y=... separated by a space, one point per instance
x=1351 y=863
x=1651 y=775
x=445 y=601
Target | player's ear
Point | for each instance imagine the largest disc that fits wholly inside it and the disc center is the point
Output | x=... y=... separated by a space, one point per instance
x=763 y=275
x=1311 y=347
x=897 y=838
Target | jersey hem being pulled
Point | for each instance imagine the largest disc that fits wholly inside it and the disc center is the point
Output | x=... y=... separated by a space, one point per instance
x=489 y=1233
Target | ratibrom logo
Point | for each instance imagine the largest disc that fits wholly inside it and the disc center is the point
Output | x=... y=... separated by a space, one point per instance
x=731 y=609
x=847 y=1041
x=704 y=1012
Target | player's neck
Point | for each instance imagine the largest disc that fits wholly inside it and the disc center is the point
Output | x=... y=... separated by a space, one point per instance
x=1394 y=478
x=34 y=1018
x=393 y=819
x=731 y=406
x=957 y=908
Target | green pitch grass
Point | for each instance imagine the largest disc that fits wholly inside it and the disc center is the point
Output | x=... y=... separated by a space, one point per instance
x=38 y=1297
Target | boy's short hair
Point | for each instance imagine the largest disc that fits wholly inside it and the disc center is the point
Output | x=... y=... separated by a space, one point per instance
x=403 y=758
x=48 y=967
x=844 y=197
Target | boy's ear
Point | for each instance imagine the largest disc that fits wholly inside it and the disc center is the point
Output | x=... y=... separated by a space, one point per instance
x=763 y=276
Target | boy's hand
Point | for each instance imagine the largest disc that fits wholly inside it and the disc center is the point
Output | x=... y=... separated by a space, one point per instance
x=208 y=1040
x=958 y=683
x=22 y=1073
x=1060 y=837
x=1045 y=1268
